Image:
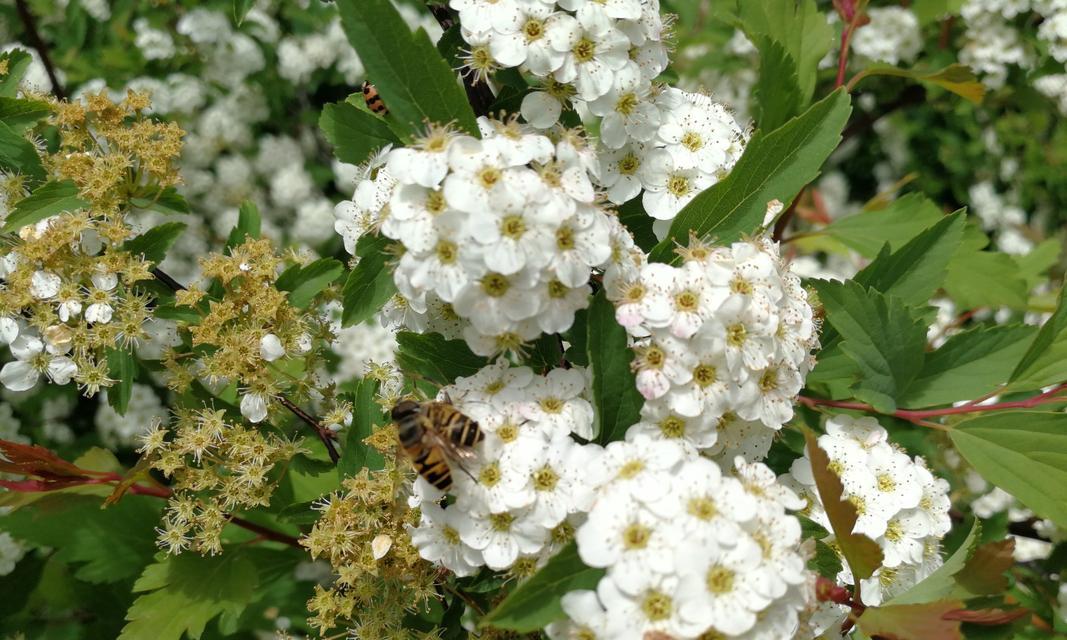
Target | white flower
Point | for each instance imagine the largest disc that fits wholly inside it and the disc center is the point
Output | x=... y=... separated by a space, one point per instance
x=33 y=358
x=627 y=112
x=501 y=537
x=640 y=467
x=620 y=171
x=44 y=284
x=270 y=348
x=659 y=422
x=9 y=330
x=254 y=407
x=582 y=242
x=892 y=36
x=523 y=39
x=555 y=403
x=496 y=301
x=587 y=619
x=484 y=15
x=669 y=187
x=437 y=539
x=653 y=604
x=556 y=478
x=722 y=585
x=425 y=163
x=594 y=51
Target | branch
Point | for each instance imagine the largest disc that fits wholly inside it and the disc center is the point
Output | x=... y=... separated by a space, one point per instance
x=920 y=417
x=479 y=95
x=325 y=435
x=29 y=23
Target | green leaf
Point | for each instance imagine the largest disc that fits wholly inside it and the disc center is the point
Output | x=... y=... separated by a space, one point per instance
x=775 y=166
x=880 y=335
x=928 y=11
x=1034 y=264
x=304 y=283
x=985 y=279
x=435 y=359
x=797 y=25
x=370 y=285
x=413 y=79
x=248 y=225
x=18 y=155
x=166 y=201
x=825 y=562
x=535 y=602
x=863 y=555
x=354 y=133
x=21 y=113
x=868 y=231
x=969 y=365
x=154 y=243
x=366 y=414
x=49 y=199
x=1045 y=362
x=613 y=388
x=181 y=594
x=241 y=9
x=122 y=368
x=916 y=271
x=777 y=90
x=18 y=61
x=941 y=583
x=1023 y=453
x=109 y=545
x=957 y=78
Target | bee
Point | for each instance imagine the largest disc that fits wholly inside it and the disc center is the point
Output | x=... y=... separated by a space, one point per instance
x=374 y=101
x=436 y=435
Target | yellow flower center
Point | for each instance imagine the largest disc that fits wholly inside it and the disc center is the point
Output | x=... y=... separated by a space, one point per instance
x=720 y=580
x=679 y=186
x=636 y=536
x=495 y=285
x=705 y=375
x=629 y=164
x=489 y=475
x=672 y=427
x=692 y=141
x=545 y=479
x=584 y=50
x=627 y=104
x=702 y=508
x=447 y=251
x=631 y=469
x=513 y=227
x=657 y=606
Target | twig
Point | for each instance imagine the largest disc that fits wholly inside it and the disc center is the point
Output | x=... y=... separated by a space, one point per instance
x=325 y=435
x=265 y=533
x=783 y=220
x=479 y=95
x=29 y=23
x=920 y=417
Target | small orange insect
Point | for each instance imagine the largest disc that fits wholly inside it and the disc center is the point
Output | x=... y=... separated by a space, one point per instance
x=373 y=100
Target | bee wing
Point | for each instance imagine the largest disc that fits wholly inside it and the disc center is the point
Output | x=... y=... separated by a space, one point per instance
x=455 y=454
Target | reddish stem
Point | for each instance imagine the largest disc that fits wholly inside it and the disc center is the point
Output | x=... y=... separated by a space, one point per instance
x=920 y=416
x=37 y=486
x=842 y=57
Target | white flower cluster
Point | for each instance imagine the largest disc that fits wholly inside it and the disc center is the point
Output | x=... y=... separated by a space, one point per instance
x=1053 y=30
x=144 y=410
x=689 y=552
x=999 y=214
x=529 y=481
x=992 y=44
x=603 y=57
x=723 y=344
x=899 y=503
x=892 y=36
x=503 y=231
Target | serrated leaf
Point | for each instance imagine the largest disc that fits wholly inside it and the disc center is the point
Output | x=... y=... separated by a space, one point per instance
x=166 y=201
x=774 y=166
x=957 y=78
x=109 y=545
x=825 y=562
x=1034 y=263
x=181 y=594
x=985 y=279
x=122 y=368
x=354 y=133
x=535 y=602
x=18 y=155
x=366 y=414
x=370 y=285
x=435 y=359
x=18 y=61
x=941 y=583
x=21 y=113
x=777 y=89
x=613 y=388
x=969 y=365
x=248 y=225
x=308 y=281
x=880 y=335
x=49 y=199
x=868 y=231
x=797 y=25
x=1023 y=453
x=1045 y=361
x=925 y=621
x=413 y=79
x=154 y=243
x=915 y=271
x=862 y=554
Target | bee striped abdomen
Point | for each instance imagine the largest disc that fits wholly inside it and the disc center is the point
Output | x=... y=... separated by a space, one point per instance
x=431 y=464
x=374 y=101
x=460 y=429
